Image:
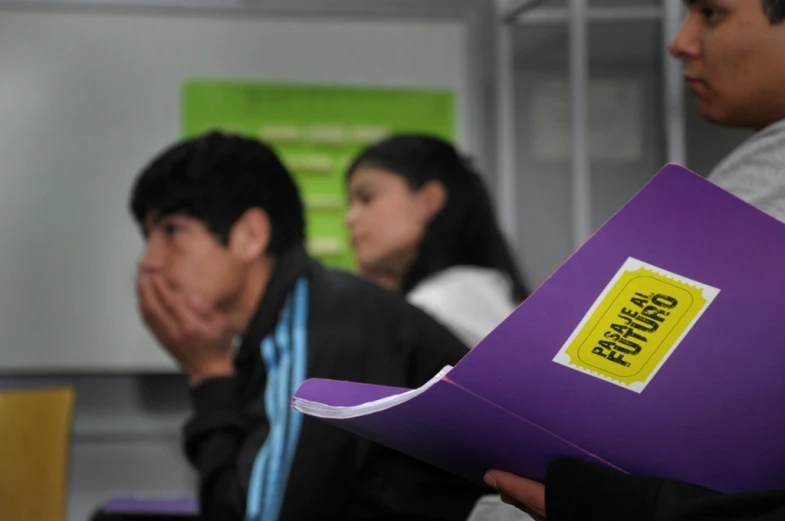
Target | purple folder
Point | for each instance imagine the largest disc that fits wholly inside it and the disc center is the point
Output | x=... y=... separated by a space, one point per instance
x=658 y=348
x=158 y=507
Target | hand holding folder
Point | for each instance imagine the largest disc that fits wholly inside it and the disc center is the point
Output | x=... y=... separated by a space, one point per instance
x=658 y=348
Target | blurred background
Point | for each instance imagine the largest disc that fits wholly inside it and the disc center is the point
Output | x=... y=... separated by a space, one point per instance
x=567 y=108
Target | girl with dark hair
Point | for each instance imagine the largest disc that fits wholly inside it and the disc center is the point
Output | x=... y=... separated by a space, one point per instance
x=422 y=223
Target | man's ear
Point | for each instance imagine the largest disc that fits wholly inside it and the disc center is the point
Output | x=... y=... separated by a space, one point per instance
x=250 y=235
x=433 y=196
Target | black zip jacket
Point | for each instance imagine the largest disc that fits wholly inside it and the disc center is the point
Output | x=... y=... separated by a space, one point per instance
x=578 y=491
x=259 y=460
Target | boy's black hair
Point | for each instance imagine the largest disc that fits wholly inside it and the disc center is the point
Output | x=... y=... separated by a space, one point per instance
x=215 y=178
x=775 y=10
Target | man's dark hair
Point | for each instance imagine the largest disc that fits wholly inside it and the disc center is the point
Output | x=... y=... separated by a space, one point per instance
x=775 y=10
x=217 y=177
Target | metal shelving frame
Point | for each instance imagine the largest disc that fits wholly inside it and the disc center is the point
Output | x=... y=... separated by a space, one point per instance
x=578 y=15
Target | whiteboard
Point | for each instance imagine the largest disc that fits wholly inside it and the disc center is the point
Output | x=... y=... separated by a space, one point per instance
x=86 y=98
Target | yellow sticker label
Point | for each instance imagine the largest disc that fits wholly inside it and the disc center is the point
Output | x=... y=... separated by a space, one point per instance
x=635 y=325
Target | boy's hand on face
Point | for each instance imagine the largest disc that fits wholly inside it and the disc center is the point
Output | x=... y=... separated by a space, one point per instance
x=196 y=335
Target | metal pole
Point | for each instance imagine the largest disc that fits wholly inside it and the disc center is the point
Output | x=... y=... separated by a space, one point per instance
x=673 y=87
x=579 y=86
x=507 y=186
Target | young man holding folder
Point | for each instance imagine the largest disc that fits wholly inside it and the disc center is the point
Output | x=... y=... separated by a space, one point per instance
x=734 y=56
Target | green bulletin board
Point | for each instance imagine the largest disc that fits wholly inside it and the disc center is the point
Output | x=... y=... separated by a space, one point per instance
x=317 y=131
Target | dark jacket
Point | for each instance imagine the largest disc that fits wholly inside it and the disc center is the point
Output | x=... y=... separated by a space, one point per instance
x=577 y=491
x=259 y=459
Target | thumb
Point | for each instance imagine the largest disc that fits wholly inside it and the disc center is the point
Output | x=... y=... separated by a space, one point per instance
x=522 y=491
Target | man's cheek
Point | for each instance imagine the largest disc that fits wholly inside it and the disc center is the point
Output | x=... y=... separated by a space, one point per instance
x=190 y=285
x=176 y=284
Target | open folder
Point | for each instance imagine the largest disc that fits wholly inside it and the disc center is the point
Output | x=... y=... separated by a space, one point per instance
x=658 y=348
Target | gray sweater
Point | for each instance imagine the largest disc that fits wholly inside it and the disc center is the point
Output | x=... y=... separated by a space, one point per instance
x=755 y=171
